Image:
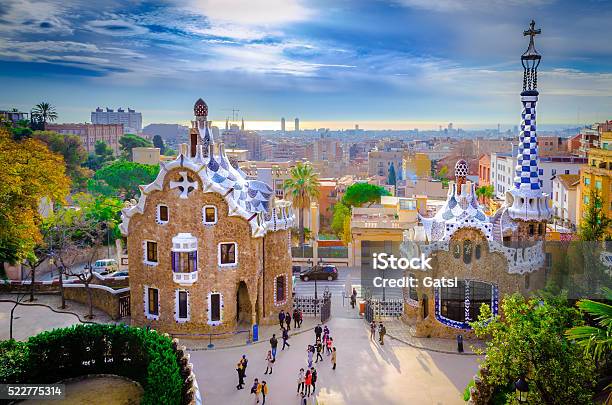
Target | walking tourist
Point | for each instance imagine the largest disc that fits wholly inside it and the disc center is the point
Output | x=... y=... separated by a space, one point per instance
x=296 y=318
x=273 y=345
x=245 y=362
x=318 y=330
x=308 y=381
x=281 y=318
x=285 y=338
x=264 y=391
x=240 y=376
x=288 y=320
x=333 y=358
x=319 y=351
x=330 y=342
x=314 y=379
x=310 y=351
x=256 y=389
x=372 y=330
x=382 y=331
x=269 y=362
x=301 y=318
x=300 y=382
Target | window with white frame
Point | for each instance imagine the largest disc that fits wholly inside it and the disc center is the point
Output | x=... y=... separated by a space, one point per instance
x=163 y=214
x=150 y=252
x=181 y=311
x=151 y=302
x=215 y=306
x=228 y=254
x=280 y=289
x=209 y=215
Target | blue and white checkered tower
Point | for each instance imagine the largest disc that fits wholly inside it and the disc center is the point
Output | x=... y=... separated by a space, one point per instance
x=526 y=200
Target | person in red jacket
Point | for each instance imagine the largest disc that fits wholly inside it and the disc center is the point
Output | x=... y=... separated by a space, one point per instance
x=308 y=382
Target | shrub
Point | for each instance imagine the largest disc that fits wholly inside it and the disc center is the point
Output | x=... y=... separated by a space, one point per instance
x=140 y=355
x=13 y=361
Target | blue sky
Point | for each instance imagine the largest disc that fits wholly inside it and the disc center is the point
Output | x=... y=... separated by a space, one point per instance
x=378 y=63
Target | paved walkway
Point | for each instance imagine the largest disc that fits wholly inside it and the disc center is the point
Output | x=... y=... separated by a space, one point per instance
x=405 y=333
x=240 y=339
x=31 y=318
x=367 y=373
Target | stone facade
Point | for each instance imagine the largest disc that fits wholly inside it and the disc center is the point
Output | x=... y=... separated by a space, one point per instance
x=209 y=238
x=490 y=268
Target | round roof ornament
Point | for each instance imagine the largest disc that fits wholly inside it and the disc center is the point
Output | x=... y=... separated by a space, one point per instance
x=200 y=109
x=461 y=168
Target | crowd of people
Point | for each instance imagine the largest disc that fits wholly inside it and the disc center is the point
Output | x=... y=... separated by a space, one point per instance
x=323 y=347
x=307 y=377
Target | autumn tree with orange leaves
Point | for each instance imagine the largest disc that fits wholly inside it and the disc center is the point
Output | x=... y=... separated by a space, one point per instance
x=29 y=175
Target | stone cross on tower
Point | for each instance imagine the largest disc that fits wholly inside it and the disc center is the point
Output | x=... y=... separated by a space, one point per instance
x=532 y=32
x=185 y=186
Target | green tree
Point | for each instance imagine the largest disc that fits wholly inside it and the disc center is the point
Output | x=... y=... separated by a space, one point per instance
x=44 y=112
x=595 y=340
x=102 y=209
x=102 y=154
x=302 y=186
x=170 y=152
x=530 y=341
x=341 y=211
x=392 y=179
x=73 y=151
x=131 y=141
x=595 y=224
x=121 y=179
x=20 y=129
x=485 y=193
x=363 y=193
x=158 y=142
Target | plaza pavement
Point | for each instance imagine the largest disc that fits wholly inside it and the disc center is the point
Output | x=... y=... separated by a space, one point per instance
x=367 y=373
x=43 y=314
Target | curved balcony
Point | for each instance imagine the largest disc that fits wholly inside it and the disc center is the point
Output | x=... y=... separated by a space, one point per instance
x=185 y=278
x=184 y=259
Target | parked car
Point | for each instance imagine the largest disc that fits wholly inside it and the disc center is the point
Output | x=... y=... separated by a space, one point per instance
x=122 y=273
x=320 y=272
x=105 y=266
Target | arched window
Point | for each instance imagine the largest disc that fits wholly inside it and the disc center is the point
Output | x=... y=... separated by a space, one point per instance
x=467 y=251
x=412 y=292
x=477 y=251
x=457 y=250
x=531 y=229
x=457 y=306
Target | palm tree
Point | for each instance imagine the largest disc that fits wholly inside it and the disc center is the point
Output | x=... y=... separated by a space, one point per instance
x=302 y=187
x=44 y=112
x=596 y=340
x=484 y=193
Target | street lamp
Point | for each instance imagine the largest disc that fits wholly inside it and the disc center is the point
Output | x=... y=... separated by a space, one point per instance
x=522 y=389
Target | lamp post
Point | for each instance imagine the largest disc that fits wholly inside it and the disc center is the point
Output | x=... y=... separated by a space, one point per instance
x=522 y=390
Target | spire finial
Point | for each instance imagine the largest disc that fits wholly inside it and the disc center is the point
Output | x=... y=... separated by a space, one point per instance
x=530 y=59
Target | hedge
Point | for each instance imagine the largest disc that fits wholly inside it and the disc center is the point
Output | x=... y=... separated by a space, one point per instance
x=141 y=355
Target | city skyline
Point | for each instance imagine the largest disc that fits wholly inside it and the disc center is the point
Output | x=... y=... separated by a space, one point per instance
x=346 y=62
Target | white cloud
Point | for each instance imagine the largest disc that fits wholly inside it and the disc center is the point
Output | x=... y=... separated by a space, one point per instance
x=30 y=16
x=250 y=12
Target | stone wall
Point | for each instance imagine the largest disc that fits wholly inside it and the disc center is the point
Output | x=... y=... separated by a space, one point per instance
x=102 y=299
x=491 y=267
x=185 y=216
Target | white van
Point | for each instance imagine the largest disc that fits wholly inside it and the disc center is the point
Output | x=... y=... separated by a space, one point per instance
x=105 y=266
